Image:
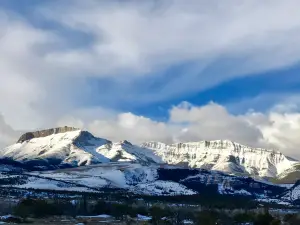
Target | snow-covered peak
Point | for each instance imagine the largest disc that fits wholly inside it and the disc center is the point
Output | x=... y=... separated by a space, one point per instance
x=125 y=151
x=223 y=155
x=74 y=147
x=58 y=147
x=214 y=144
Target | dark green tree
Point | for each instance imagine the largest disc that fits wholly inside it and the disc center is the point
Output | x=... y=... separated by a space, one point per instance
x=245 y=217
x=157 y=213
x=37 y=208
x=264 y=218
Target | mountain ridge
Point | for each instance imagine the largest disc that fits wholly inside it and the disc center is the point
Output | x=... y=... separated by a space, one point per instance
x=74 y=147
x=44 y=133
x=218 y=153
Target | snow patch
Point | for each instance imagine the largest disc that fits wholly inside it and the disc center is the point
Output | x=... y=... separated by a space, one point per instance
x=163 y=188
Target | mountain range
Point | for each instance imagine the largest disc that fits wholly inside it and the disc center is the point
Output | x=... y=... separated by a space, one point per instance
x=89 y=163
x=67 y=146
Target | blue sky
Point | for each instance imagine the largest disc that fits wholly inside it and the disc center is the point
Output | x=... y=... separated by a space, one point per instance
x=168 y=69
x=278 y=83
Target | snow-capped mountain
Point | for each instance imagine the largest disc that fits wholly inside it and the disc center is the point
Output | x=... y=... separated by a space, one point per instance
x=69 y=147
x=224 y=155
x=97 y=164
x=75 y=147
x=61 y=147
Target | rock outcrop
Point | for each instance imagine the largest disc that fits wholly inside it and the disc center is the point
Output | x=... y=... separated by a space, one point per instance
x=44 y=133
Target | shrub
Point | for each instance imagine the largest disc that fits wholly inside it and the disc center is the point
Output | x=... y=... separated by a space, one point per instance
x=156 y=213
x=244 y=217
x=292 y=219
x=120 y=211
x=206 y=217
x=101 y=207
x=265 y=219
x=114 y=209
x=37 y=208
x=177 y=217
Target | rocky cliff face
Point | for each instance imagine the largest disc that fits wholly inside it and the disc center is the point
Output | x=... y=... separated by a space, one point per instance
x=223 y=155
x=44 y=133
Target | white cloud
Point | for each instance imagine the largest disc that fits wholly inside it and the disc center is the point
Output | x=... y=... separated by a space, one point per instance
x=279 y=129
x=43 y=72
x=43 y=76
x=146 y=36
x=7 y=134
x=133 y=40
x=122 y=126
x=23 y=74
x=275 y=129
x=131 y=127
x=214 y=122
x=186 y=122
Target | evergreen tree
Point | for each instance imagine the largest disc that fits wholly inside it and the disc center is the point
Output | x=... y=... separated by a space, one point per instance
x=264 y=219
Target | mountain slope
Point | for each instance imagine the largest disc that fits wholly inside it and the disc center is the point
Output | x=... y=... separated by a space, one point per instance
x=289 y=176
x=224 y=156
x=292 y=194
x=145 y=180
x=125 y=151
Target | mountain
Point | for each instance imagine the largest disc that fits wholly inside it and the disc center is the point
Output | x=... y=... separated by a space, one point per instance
x=85 y=163
x=70 y=147
x=55 y=147
x=224 y=155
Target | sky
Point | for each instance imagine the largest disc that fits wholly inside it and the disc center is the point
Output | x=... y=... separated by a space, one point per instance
x=157 y=70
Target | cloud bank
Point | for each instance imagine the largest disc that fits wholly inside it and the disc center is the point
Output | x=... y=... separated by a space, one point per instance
x=49 y=68
x=275 y=130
